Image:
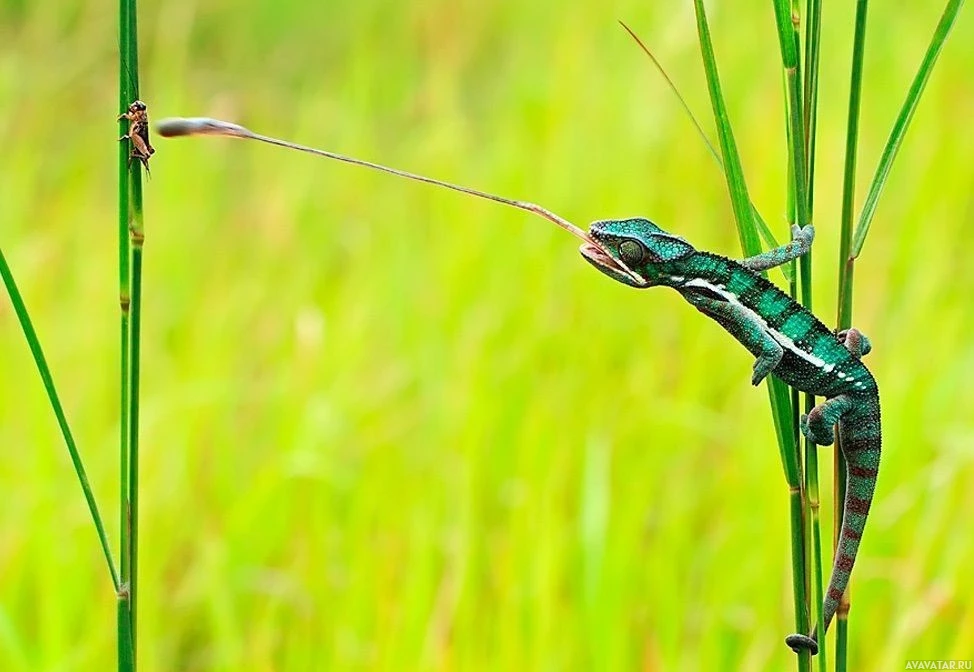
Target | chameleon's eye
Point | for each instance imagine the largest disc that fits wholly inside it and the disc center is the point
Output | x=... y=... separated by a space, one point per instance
x=631 y=251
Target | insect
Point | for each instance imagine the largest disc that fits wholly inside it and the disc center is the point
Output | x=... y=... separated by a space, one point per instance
x=785 y=337
x=138 y=133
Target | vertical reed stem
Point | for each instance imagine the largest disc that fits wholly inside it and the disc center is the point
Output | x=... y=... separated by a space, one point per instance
x=846 y=275
x=130 y=238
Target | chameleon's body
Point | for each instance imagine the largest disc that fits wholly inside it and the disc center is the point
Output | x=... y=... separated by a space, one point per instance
x=788 y=341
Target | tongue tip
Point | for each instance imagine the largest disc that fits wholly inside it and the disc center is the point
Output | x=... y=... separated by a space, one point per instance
x=590 y=250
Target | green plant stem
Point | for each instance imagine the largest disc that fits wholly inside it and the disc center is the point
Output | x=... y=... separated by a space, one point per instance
x=796 y=135
x=813 y=33
x=807 y=502
x=847 y=260
x=126 y=656
x=814 y=505
x=130 y=267
x=44 y=370
x=134 y=424
x=136 y=241
x=846 y=275
x=799 y=201
x=124 y=634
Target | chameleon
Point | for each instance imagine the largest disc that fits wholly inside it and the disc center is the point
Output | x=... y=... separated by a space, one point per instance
x=787 y=340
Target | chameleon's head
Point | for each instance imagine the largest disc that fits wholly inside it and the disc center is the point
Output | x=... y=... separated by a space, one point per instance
x=634 y=251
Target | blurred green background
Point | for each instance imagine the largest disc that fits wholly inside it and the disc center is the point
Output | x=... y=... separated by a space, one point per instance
x=388 y=427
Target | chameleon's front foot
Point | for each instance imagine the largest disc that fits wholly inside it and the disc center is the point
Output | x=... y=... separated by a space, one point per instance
x=804 y=234
x=762 y=367
x=766 y=361
x=799 y=643
x=760 y=371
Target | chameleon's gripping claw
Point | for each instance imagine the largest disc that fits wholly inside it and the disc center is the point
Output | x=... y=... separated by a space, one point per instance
x=799 y=643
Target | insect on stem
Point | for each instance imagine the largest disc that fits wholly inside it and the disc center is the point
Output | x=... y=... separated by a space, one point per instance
x=178 y=126
x=138 y=133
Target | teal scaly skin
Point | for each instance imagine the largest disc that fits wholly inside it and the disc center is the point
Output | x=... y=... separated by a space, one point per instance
x=787 y=340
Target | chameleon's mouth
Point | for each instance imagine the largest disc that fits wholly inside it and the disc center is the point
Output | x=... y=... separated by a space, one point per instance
x=602 y=260
x=600 y=257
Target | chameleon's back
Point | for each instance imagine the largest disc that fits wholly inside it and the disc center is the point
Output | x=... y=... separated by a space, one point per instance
x=814 y=360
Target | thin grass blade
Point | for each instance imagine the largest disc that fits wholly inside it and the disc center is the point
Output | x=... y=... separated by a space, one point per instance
x=734 y=172
x=781 y=408
x=763 y=229
x=47 y=379
x=898 y=133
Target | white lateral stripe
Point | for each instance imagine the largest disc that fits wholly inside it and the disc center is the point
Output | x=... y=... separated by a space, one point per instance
x=776 y=335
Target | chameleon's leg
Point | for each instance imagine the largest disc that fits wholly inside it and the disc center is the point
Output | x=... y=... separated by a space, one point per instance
x=855 y=342
x=818 y=425
x=744 y=326
x=800 y=244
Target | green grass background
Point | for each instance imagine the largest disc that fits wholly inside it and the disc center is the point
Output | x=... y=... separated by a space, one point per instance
x=388 y=427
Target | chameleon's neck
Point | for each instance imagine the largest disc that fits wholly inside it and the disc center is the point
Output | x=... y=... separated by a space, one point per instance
x=699 y=265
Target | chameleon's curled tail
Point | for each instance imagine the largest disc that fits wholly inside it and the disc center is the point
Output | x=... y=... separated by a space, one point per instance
x=859 y=436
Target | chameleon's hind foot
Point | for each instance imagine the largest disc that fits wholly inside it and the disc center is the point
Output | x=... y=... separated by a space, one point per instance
x=855 y=342
x=799 y=643
x=819 y=425
x=815 y=428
